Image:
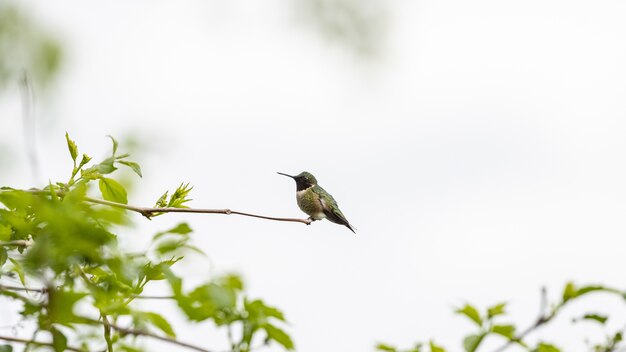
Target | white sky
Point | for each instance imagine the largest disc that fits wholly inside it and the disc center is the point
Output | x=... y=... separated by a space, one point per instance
x=480 y=158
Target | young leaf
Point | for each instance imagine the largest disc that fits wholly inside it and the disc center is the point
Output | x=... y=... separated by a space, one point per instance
x=17 y=267
x=5 y=232
x=569 y=291
x=471 y=312
x=3 y=256
x=71 y=146
x=86 y=158
x=470 y=343
x=115 y=144
x=385 y=348
x=162 y=201
x=435 y=348
x=111 y=190
x=595 y=317
x=182 y=229
x=134 y=166
x=59 y=341
x=507 y=331
x=106 y=166
x=546 y=347
x=161 y=323
x=498 y=309
x=278 y=335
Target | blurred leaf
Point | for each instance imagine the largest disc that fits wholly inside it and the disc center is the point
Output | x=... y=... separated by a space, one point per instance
x=115 y=144
x=3 y=256
x=471 y=312
x=545 y=347
x=595 y=317
x=569 y=291
x=471 y=343
x=161 y=323
x=134 y=166
x=278 y=335
x=498 y=309
x=59 y=341
x=61 y=304
x=106 y=166
x=6 y=348
x=386 y=348
x=17 y=267
x=435 y=348
x=71 y=146
x=5 y=232
x=111 y=190
x=507 y=331
x=182 y=229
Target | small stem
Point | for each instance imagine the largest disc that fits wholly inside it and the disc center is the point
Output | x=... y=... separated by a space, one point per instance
x=137 y=332
x=19 y=243
x=36 y=343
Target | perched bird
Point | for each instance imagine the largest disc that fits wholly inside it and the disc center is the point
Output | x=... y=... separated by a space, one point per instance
x=315 y=201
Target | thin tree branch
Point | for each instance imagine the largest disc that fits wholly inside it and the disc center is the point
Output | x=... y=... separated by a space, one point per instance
x=541 y=320
x=19 y=243
x=44 y=290
x=18 y=288
x=138 y=332
x=37 y=343
x=150 y=212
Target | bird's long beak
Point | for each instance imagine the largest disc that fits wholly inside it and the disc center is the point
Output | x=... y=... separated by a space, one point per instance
x=280 y=173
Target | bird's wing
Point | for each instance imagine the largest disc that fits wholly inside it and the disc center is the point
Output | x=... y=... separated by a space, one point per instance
x=330 y=208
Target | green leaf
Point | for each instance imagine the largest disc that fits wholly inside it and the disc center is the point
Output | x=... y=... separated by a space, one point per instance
x=471 y=343
x=595 y=317
x=106 y=166
x=115 y=144
x=179 y=197
x=278 y=335
x=6 y=348
x=59 y=341
x=111 y=190
x=507 y=331
x=435 y=348
x=471 y=312
x=3 y=256
x=569 y=291
x=162 y=201
x=182 y=229
x=161 y=323
x=386 y=348
x=545 y=347
x=498 y=309
x=17 y=267
x=86 y=158
x=5 y=232
x=133 y=165
x=71 y=146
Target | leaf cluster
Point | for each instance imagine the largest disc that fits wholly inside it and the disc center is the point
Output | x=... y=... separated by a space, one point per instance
x=489 y=325
x=81 y=288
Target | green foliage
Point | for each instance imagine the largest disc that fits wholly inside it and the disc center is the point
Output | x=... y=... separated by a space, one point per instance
x=488 y=324
x=62 y=243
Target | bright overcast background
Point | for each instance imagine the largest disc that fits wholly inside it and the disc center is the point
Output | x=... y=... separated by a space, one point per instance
x=477 y=146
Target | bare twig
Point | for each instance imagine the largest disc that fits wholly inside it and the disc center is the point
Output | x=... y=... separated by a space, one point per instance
x=137 y=332
x=150 y=212
x=19 y=243
x=18 y=288
x=36 y=343
x=543 y=318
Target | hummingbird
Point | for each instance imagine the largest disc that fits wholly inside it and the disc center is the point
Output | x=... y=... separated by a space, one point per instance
x=315 y=201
